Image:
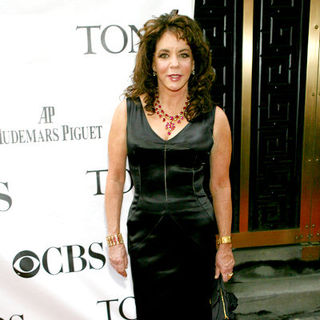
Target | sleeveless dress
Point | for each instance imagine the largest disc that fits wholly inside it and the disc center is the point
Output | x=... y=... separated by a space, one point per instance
x=171 y=225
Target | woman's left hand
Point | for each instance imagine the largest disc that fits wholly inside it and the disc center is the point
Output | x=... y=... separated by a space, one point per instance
x=224 y=262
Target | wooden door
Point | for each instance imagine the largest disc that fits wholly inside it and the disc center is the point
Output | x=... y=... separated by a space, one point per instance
x=261 y=54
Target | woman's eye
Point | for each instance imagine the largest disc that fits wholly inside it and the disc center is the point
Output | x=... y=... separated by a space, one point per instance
x=185 y=55
x=163 y=55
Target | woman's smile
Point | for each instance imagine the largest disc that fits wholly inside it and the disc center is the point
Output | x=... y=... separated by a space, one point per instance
x=175 y=77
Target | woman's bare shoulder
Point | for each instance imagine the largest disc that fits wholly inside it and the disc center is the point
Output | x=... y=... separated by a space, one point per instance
x=221 y=124
x=122 y=106
x=119 y=118
x=221 y=119
x=121 y=109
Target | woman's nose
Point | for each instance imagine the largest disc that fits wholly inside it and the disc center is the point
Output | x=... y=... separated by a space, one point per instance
x=174 y=62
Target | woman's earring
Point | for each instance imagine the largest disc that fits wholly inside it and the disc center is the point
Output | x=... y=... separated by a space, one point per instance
x=193 y=72
x=154 y=73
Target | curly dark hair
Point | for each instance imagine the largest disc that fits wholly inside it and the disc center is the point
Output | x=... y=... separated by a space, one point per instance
x=198 y=85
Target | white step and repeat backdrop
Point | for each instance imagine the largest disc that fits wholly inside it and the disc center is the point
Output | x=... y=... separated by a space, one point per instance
x=63 y=68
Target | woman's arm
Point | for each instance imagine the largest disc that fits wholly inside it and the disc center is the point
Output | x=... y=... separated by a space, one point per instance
x=117 y=153
x=221 y=191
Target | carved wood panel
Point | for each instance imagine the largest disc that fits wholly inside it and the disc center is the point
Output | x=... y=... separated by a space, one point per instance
x=279 y=62
x=221 y=22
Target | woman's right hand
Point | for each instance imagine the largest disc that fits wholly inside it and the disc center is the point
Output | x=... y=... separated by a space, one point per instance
x=119 y=258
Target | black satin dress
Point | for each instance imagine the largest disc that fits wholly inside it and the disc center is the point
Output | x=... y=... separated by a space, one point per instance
x=171 y=226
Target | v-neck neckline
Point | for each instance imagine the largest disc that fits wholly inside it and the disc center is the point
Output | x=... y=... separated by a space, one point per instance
x=154 y=132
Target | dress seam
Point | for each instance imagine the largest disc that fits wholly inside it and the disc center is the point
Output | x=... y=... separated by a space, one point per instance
x=140 y=243
x=197 y=197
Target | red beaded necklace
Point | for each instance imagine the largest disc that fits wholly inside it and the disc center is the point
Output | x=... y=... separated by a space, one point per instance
x=171 y=120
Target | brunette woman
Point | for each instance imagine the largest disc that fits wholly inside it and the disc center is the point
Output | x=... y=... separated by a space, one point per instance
x=174 y=137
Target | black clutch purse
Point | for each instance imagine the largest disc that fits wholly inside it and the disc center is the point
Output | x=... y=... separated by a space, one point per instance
x=223 y=303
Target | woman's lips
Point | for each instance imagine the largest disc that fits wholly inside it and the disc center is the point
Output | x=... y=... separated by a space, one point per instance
x=175 y=77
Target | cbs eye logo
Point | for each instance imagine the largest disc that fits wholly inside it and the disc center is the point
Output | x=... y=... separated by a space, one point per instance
x=26 y=264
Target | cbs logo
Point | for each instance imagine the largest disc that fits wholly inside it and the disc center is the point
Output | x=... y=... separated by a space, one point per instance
x=26 y=264
x=56 y=260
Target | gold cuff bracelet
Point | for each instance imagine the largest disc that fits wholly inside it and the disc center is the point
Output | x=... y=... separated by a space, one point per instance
x=114 y=239
x=226 y=239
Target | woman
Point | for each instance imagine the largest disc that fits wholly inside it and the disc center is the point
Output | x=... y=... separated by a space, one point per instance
x=172 y=136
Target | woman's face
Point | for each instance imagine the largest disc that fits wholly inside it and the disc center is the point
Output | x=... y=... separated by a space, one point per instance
x=173 y=62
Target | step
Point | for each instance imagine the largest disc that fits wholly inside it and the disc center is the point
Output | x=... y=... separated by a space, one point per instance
x=280 y=296
x=274 y=284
